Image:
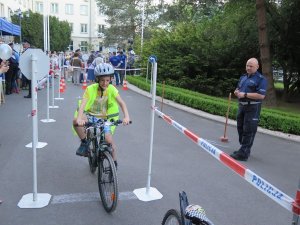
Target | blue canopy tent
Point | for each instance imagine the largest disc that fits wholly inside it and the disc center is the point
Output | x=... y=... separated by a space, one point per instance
x=7 y=28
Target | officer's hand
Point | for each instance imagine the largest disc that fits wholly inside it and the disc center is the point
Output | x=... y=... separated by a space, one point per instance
x=241 y=94
x=236 y=92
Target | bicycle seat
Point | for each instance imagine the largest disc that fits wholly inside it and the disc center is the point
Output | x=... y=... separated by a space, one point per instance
x=196 y=214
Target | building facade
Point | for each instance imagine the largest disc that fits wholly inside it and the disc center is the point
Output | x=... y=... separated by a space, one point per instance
x=84 y=16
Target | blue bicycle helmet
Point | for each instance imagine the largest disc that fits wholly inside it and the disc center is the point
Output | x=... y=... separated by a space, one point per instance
x=104 y=69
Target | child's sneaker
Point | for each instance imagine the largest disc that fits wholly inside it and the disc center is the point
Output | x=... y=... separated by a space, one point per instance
x=83 y=149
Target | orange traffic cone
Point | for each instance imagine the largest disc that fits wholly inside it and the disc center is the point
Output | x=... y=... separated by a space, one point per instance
x=63 y=83
x=84 y=85
x=61 y=87
x=125 y=88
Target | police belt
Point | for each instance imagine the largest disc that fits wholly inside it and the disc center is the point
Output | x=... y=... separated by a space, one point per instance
x=249 y=103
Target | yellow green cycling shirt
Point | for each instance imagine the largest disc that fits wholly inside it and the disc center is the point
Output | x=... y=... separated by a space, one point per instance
x=102 y=107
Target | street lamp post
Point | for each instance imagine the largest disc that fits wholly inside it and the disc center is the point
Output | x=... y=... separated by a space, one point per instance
x=19 y=12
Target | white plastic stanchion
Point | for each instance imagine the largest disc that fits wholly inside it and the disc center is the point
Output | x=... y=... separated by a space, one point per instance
x=53 y=84
x=124 y=78
x=40 y=71
x=147 y=72
x=48 y=120
x=2 y=98
x=59 y=78
x=150 y=193
x=34 y=200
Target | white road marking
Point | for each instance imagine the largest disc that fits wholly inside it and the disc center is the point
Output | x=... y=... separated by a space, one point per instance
x=87 y=197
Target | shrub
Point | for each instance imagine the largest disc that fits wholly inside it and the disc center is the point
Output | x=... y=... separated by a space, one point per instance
x=271 y=119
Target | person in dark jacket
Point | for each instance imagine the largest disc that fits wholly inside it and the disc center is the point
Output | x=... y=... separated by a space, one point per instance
x=251 y=90
x=26 y=45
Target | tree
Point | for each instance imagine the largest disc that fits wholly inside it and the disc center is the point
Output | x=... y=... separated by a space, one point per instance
x=124 y=19
x=285 y=24
x=190 y=10
x=265 y=51
x=32 y=29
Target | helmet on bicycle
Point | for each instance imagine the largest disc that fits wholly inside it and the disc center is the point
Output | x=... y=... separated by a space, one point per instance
x=196 y=214
x=104 y=69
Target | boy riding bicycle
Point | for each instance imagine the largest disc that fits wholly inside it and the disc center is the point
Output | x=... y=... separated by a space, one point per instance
x=100 y=100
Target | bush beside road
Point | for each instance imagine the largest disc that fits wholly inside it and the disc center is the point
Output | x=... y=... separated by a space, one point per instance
x=271 y=119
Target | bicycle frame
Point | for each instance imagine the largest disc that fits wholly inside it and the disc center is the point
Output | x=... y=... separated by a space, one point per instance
x=100 y=144
x=100 y=155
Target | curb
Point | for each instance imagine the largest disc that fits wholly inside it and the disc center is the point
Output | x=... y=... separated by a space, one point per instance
x=219 y=119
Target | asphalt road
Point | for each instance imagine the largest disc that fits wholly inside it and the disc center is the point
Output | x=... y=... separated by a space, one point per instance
x=178 y=164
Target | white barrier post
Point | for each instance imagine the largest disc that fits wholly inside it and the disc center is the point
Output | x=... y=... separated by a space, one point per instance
x=151 y=79
x=53 y=84
x=30 y=57
x=2 y=98
x=59 y=77
x=48 y=120
x=150 y=193
x=147 y=72
x=125 y=70
x=34 y=200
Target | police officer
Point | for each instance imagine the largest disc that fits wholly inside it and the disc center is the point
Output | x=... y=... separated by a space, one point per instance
x=251 y=90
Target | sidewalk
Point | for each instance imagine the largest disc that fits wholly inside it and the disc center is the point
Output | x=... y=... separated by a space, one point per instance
x=220 y=119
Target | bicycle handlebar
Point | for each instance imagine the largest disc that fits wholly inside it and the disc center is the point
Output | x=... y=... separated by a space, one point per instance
x=102 y=122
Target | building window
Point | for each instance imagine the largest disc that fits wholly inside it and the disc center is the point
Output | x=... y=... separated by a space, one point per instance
x=2 y=10
x=83 y=46
x=72 y=27
x=39 y=7
x=84 y=10
x=83 y=28
x=69 y=9
x=101 y=28
x=70 y=48
x=54 y=8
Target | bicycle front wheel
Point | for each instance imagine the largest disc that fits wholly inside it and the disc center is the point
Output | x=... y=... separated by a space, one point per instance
x=92 y=155
x=171 y=217
x=108 y=182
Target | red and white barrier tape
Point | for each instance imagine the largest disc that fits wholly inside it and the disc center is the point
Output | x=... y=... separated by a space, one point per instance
x=261 y=184
x=119 y=69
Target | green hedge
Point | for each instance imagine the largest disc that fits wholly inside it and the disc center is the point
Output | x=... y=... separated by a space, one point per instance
x=271 y=119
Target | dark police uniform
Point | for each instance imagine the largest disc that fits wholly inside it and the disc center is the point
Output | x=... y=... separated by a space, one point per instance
x=249 y=110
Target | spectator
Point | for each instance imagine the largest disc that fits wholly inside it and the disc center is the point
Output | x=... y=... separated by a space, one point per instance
x=13 y=69
x=76 y=64
x=90 y=70
x=26 y=45
x=123 y=59
x=131 y=60
x=115 y=62
x=3 y=69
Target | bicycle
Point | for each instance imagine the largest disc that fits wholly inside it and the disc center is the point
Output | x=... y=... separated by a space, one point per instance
x=100 y=155
x=188 y=215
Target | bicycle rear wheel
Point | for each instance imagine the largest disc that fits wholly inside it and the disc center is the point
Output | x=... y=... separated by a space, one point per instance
x=92 y=154
x=172 y=217
x=108 y=182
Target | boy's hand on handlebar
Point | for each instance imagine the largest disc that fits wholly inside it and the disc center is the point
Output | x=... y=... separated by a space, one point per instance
x=126 y=120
